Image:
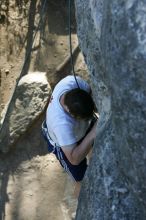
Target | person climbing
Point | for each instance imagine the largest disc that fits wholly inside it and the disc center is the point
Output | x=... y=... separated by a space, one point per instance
x=70 y=127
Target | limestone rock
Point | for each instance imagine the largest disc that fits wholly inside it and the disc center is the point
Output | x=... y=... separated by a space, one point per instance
x=32 y=95
x=112 y=39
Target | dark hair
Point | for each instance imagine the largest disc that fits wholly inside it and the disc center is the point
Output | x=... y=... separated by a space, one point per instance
x=79 y=103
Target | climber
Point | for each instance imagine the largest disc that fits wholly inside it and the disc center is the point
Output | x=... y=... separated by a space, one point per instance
x=70 y=127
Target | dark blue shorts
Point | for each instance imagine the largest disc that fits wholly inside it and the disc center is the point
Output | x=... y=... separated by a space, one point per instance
x=77 y=172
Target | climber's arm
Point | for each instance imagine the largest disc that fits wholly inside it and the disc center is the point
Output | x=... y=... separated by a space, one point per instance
x=76 y=153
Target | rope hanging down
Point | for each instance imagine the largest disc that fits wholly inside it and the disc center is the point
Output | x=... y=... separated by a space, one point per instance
x=70 y=43
x=26 y=59
x=71 y=54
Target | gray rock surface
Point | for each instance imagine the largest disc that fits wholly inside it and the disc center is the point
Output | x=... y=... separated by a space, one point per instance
x=32 y=95
x=112 y=39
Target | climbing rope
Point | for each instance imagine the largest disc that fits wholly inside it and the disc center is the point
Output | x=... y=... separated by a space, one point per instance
x=26 y=59
x=70 y=43
x=70 y=46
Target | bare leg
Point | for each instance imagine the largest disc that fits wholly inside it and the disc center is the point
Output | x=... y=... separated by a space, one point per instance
x=77 y=189
x=89 y=156
x=78 y=184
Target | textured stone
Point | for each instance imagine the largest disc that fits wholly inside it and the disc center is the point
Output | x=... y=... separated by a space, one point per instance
x=112 y=39
x=29 y=101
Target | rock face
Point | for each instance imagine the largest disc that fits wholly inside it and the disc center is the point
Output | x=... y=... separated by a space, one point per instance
x=32 y=95
x=112 y=38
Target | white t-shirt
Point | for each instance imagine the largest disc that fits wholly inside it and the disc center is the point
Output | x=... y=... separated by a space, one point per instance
x=63 y=129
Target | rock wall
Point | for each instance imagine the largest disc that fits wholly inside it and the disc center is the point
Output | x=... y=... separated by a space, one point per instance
x=112 y=39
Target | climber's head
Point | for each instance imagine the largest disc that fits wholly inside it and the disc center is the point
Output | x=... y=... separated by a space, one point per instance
x=79 y=103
